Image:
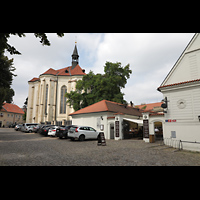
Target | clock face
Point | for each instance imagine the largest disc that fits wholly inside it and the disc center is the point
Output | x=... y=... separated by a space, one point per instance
x=181 y=103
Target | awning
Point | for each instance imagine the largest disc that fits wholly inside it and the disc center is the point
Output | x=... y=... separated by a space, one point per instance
x=137 y=121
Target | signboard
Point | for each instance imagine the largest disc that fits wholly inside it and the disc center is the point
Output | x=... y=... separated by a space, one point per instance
x=101 y=127
x=146 y=128
x=170 y=120
x=173 y=134
x=116 y=128
x=101 y=139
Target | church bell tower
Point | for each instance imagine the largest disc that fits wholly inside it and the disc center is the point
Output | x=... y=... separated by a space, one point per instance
x=75 y=57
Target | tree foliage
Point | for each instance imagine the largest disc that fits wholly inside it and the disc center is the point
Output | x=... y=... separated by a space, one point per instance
x=6 y=65
x=96 y=87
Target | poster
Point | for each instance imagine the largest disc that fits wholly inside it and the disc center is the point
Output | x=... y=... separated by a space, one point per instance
x=146 y=128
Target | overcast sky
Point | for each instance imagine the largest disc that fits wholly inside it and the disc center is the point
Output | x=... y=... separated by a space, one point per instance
x=150 y=55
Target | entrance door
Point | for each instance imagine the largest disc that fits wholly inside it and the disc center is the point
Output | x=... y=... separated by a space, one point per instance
x=158 y=130
x=112 y=131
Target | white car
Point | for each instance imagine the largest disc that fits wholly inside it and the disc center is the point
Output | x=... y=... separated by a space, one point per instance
x=52 y=130
x=82 y=132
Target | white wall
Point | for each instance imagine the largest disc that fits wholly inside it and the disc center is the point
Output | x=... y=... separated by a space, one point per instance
x=187 y=125
x=187 y=69
x=187 y=66
x=92 y=119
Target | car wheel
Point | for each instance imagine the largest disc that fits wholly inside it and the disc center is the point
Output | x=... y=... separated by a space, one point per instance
x=30 y=131
x=81 y=137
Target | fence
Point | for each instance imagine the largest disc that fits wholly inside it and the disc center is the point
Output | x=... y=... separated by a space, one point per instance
x=173 y=143
x=177 y=144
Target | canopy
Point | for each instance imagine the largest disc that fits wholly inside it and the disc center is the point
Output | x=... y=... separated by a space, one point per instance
x=138 y=121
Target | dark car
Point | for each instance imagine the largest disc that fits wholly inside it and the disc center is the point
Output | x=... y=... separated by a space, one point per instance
x=62 y=131
x=44 y=129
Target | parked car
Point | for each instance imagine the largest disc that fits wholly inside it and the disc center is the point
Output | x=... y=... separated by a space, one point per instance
x=62 y=131
x=36 y=128
x=29 y=129
x=44 y=129
x=18 y=127
x=12 y=126
x=52 y=130
x=82 y=132
x=25 y=125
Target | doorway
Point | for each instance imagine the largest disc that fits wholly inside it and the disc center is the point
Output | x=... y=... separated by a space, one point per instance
x=158 y=130
x=132 y=130
x=111 y=130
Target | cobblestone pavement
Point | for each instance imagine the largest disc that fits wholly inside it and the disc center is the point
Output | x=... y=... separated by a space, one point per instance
x=32 y=149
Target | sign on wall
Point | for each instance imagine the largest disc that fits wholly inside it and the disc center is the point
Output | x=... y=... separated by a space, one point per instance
x=146 y=128
x=173 y=134
x=116 y=128
x=170 y=120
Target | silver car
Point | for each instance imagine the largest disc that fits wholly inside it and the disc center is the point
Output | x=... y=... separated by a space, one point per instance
x=29 y=129
x=82 y=132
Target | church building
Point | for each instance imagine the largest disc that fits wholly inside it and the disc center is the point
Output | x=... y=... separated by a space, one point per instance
x=46 y=96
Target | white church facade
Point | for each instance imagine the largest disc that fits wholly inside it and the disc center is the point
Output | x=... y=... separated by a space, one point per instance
x=46 y=96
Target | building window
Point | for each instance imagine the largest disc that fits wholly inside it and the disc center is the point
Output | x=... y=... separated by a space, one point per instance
x=46 y=98
x=63 y=100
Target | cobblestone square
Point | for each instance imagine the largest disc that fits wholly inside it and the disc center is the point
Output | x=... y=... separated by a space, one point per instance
x=32 y=149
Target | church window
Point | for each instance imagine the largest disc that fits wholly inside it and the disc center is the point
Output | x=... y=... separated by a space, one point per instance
x=46 y=98
x=63 y=100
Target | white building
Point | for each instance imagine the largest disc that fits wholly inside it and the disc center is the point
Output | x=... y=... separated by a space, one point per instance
x=181 y=90
x=115 y=119
x=46 y=97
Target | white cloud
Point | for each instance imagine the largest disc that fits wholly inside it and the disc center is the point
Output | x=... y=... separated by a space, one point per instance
x=151 y=56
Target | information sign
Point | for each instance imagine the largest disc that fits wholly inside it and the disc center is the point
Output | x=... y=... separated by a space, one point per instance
x=101 y=139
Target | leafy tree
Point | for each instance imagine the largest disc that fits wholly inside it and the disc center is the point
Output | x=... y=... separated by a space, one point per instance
x=6 y=65
x=6 y=77
x=93 y=88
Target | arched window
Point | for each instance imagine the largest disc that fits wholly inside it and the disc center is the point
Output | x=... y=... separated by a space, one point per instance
x=46 y=98
x=63 y=100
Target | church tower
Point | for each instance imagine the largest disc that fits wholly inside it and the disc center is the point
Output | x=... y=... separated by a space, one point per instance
x=75 y=57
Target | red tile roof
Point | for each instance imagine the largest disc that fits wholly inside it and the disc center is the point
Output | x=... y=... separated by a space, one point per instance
x=108 y=106
x=62 y=72
x=51 y=71
x=12 y=108
x=149 y=106
x=34 y=79
x=178 y=83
